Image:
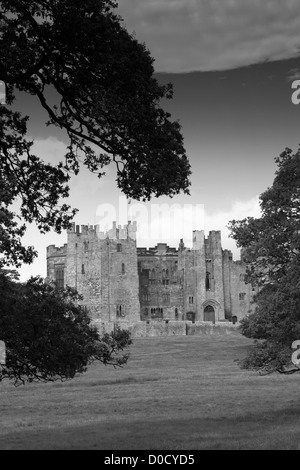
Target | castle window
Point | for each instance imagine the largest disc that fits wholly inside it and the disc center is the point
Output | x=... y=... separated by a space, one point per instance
x=156 y=312
x=119 y=248
x=242 y=295
x=120 y=310
x=59 y=276
x=165 y=275
x=86 y=245
x=191 y=299
x=207 y=281
x=176 y=313
x=146 y=297
x=123 y=268
x=166 y=297
x=82 y=269
x=152 y=276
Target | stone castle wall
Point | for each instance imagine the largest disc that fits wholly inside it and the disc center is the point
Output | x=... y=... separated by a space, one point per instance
x=103 y=268
x=149 y=329
x=125 y=284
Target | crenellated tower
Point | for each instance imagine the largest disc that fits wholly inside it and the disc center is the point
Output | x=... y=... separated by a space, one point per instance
x=102 y=267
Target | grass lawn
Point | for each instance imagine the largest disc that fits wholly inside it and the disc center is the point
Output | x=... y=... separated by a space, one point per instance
x=182 y=393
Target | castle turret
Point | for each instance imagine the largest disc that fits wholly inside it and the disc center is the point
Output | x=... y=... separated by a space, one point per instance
x=213 y=307
x=102 y=266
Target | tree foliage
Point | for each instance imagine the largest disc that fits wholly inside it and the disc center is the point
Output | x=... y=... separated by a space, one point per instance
x=272 y=242
x=106 y=100
x=271 y=247
x=48 y=336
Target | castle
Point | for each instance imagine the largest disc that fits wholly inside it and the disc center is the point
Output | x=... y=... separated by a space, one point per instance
x=123 y=283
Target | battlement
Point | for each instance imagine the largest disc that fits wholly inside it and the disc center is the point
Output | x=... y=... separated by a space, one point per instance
x=213 y=235
x=239 y=263
x=115 y=233
x=53 y=250
x=227 y=254
x=159 y=249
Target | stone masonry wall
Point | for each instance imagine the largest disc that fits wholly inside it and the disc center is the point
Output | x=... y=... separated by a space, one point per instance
x=104 y=271
x=125 y=284
x=55 y=257
x=241 y=293
x=197 y=276
x=160 y=287
x=227 y=263
x=151 y=329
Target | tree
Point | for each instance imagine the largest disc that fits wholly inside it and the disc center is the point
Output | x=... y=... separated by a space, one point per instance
x=49 y=337
x=106 y=99
x=271 y=247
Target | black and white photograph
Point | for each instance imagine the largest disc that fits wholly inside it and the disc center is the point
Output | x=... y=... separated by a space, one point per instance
x=149 y=227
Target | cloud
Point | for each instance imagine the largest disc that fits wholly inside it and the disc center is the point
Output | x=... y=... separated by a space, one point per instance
x=293 y=74
x=194 y=35
x=219 y=220
x=51 y=150
x=168 y=222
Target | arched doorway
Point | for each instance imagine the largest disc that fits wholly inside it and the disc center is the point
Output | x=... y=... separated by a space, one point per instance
x=209 y=314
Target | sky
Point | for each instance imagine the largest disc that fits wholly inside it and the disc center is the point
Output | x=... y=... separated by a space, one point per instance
x=232 y=64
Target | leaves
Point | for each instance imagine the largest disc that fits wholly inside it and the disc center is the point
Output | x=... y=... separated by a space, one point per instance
x=273 y=241
x=48 y=336
x=271 y=248
x=106 y=100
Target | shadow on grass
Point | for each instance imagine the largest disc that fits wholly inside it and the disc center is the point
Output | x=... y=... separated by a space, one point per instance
x=99 y=383
x=273 y=430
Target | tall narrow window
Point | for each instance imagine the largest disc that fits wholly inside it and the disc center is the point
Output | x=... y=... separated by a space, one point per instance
x=119 y=248
x=207 y=281
x=123 y=268
x=82 y=269
x=59 y=276
x=152 y=276
x=191 y=299
x=120 y=310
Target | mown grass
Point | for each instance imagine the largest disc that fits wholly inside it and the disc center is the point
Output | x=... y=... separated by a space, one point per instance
x=182 y=393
